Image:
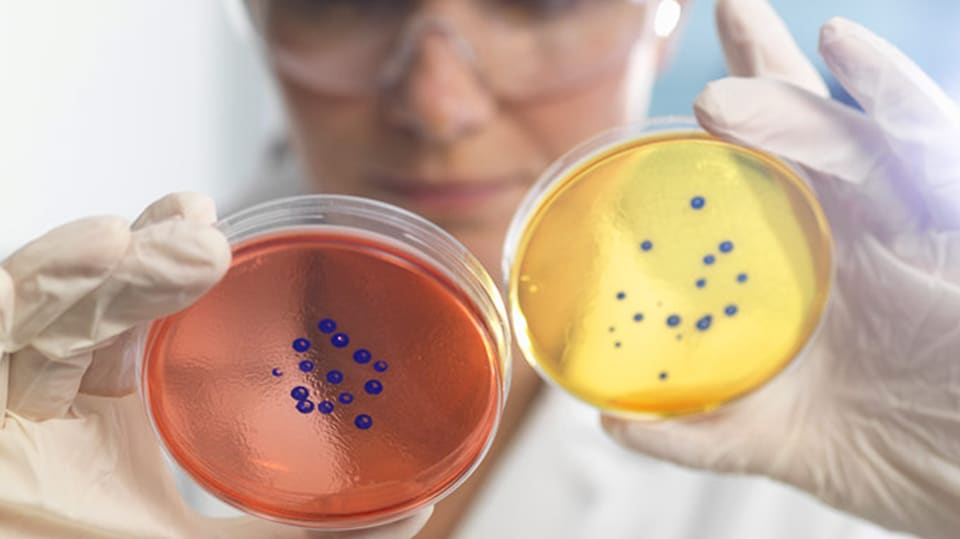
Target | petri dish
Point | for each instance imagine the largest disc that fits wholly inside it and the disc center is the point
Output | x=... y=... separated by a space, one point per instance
x=349 y=369
x=658 y=271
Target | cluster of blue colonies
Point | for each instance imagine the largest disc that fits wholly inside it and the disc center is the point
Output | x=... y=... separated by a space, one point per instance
x=674 y=320
x=339 y=340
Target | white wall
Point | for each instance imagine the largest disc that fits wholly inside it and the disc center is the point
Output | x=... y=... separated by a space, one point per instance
x=107 y=104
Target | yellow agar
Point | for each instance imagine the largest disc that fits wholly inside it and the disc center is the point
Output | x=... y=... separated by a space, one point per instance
x=581 y=279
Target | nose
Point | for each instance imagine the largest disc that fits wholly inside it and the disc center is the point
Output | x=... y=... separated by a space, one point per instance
x=433 y=90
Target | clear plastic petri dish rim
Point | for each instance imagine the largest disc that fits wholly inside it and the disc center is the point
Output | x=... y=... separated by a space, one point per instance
x=341 y=214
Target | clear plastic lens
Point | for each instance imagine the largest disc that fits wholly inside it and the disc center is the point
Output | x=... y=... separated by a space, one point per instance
x=518 y=48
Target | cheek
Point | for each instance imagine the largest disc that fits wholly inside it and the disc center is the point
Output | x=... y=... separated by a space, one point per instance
x=565 y=121
x=331 y=136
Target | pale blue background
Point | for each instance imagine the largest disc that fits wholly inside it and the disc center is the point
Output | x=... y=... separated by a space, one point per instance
x=927 y=30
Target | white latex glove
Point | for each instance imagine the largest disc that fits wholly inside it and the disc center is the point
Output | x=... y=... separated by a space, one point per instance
x=869 y=419
x=78 y=457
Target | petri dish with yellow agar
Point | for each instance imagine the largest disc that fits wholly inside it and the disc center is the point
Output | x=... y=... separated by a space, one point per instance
x=349 y=369
x=659 y=271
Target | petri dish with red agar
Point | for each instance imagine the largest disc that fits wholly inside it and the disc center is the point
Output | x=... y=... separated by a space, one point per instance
x=349 y=369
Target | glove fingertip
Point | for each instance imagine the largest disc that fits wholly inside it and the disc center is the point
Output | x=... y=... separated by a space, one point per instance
x=686 y=442
x=834 y=29
x=219 y=251
x=707 y=107
x=718 y=106
x=169 y=266
x=632 y=434
x=191 y=257
x=186 y=205
x=834 y=40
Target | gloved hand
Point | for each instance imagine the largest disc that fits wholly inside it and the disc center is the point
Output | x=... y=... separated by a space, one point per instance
x=869 y=419
x=78 y=457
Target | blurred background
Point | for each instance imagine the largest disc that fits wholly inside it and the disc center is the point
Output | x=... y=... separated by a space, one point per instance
x=106 y=105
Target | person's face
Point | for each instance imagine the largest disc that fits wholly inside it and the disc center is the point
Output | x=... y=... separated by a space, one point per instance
x=439 y=141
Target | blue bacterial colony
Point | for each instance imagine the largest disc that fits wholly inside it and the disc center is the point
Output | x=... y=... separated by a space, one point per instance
x=673 y=320
x=332 y=377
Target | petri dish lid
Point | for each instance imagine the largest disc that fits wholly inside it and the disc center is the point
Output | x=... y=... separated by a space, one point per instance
x=659 y=271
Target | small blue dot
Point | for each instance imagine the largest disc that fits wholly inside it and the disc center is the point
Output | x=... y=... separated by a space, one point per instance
x=726 y=247
x=362 y=356
x=340 y=340
x=617 y=344
x=701 y=283
x=373 y=387
x=334 y=377
x=305 y=406
x=380 y=366
x=673 y=320
x=638 y=317
x=306 y=365
x=363 y=422
x=276 y=372
x=646 y=245
x=325 y=407
x=301 y=345
x=621 y=295
x=704 y=323
x=709 y=259
x=345 y=398
x=663 y=376
x=731 y=310
x=299 y=393
x=327 y=326
x=742 y=278
x=697 y=202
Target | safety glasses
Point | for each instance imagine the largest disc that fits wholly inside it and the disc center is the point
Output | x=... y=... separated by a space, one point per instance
x=517 y=48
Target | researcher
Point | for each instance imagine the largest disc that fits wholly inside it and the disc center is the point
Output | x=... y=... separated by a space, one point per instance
x=451 y=109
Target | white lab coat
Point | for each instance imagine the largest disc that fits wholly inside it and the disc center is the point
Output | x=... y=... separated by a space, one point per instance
x=563 y=478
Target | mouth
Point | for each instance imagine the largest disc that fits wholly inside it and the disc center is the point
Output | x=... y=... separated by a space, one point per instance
x=451 y=196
